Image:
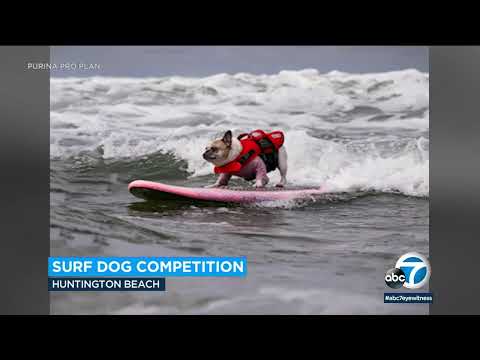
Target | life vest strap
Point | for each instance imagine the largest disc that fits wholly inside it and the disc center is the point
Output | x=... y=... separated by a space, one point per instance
x=243 y=159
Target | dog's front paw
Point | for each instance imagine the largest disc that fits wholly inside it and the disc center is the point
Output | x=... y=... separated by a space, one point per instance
x=261 y=183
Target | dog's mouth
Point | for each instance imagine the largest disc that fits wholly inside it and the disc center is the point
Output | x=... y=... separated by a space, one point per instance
x=209 y=157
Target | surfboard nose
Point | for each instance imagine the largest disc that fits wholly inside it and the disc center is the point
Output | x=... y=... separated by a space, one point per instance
x=136 y=183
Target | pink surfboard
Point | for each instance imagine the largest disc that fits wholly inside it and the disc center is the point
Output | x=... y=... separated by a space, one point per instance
x=154 y=190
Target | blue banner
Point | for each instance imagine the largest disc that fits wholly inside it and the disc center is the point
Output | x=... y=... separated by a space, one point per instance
x=147 y=266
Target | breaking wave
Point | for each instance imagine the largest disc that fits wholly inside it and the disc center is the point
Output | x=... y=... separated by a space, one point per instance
x=347 y=132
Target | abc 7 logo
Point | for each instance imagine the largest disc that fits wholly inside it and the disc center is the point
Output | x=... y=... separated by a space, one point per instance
x=395 y=278
x=412 y=271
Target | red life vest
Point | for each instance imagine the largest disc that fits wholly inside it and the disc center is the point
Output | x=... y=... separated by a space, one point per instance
x=253 y=144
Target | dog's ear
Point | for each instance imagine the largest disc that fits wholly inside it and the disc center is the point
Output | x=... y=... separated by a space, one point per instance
x=227 y=138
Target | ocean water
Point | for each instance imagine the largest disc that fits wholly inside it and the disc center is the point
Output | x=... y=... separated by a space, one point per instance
x=363 y=137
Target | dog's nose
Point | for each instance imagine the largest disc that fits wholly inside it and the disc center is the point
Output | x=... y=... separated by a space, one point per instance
x=205 y=155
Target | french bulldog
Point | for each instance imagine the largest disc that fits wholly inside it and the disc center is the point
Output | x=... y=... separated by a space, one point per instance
x=227 y=149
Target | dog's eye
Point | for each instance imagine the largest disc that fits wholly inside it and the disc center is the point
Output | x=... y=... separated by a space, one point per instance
x=213 y=148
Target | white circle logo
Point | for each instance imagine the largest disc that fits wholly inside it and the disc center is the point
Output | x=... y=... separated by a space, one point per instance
x=416 y=268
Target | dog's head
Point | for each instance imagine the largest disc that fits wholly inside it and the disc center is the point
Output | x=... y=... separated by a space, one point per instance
x=218 y=152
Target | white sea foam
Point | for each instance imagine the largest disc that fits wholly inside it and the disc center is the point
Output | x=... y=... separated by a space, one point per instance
x=343 y=131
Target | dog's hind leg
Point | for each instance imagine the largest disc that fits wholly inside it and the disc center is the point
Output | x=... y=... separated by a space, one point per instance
x=282 y=166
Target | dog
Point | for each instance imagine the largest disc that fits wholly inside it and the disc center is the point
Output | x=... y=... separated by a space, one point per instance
x=226 y=154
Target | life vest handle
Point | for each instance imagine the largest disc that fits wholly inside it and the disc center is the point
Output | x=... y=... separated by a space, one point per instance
x=263 y=143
